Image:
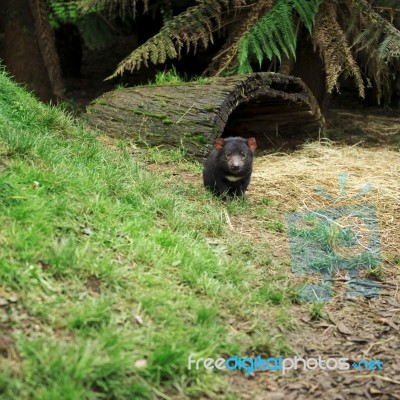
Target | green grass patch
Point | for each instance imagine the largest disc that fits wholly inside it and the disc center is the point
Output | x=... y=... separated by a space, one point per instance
x=118 y=274
x=172 y=77
x=317 y=312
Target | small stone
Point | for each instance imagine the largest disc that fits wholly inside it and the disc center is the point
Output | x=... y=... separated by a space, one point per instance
x=13 y=298
x=325 y=385
x=275 y=396
x=141 y=364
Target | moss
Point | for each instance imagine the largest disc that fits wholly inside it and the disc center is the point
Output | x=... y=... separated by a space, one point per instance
x=209 y=107
x=195 y=139
x=148 y=114
x=201 y=139
x=100 y=102
x=167 y=121
x=164 y=96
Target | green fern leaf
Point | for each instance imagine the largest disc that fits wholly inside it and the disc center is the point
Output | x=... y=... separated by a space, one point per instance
x=389 y=48
x=307 y=9
x=289 y=36
x=264 y=42
x=273 y=34
x=243 y=55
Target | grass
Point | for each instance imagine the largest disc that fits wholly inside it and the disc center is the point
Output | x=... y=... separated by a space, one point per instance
x=111 y=275
x=396 y=144
x=316 y=311
x=171 y=77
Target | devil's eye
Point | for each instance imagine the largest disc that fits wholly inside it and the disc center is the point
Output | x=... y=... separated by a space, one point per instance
x=243 y=154
x=228 y=155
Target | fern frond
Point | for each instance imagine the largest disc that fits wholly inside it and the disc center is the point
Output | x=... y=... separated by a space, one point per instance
x=61 y=12
x=307 y=11
x=334 y=49
x=389 y=48
x=263 y=42
x=377 y=46
x=89 y=6
x=226 y=58
x=289 y=36
x=367 y=38
x=273 y=34
x=195 y=25
x=244 y=56
x=378 y=32
x=255 y=48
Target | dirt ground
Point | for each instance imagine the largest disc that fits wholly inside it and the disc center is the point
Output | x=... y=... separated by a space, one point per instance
x=356 y=328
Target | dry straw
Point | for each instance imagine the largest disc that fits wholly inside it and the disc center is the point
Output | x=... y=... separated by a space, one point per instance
x=290 y=181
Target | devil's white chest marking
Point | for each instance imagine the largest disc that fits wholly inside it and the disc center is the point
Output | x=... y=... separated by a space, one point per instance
x=232 y=178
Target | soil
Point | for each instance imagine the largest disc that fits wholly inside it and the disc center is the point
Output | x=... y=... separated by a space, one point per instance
x=357 y=328
x=354 y=328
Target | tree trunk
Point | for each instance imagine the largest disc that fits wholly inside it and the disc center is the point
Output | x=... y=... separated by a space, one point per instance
x=271 y=107
x=310 y=68
x=30 y=53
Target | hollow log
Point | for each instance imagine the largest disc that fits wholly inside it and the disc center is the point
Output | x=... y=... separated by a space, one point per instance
x=272 y=107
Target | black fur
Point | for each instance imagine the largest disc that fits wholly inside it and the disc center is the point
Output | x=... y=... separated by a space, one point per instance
x=227 y=170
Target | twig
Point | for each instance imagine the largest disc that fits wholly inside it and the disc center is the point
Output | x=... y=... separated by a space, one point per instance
x=228 y=220
x=179 y=120
x=384 y=378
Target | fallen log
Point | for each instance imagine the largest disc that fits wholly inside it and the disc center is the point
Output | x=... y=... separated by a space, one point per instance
x=269 y=106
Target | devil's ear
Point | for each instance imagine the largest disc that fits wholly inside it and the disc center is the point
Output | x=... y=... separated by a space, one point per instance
x=251 y=142
x=219 y=142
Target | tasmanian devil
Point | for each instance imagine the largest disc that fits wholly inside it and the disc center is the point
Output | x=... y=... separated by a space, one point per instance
x=227 y=170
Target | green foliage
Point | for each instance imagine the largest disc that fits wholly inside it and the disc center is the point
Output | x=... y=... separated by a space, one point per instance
x=317 y=312
x=396 y=144
x=353 y=39
x=377 y=47
x=61 y=11
x=124 y=6
x=168 y=77
x=172 y=76
x=380 y=35
x=95 y=31
x=307 y=9
x=274 y=34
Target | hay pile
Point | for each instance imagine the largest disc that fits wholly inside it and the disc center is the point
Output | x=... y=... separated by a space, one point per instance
x=290 y=181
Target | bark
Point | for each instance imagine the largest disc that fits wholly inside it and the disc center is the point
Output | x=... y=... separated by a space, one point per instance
x=310 y=68
x=47 y=45
x=265 y=105
x=30 y=53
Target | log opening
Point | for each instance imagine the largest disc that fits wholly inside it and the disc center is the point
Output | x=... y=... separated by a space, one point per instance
x=274 y=108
